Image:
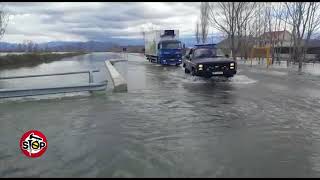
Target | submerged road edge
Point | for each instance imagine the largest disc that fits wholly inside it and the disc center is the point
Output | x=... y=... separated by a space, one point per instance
x=119 y=83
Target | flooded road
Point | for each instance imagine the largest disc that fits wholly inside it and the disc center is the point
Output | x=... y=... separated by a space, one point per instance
x=261 y=123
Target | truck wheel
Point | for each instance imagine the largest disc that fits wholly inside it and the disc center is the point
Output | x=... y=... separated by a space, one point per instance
x=186 y=71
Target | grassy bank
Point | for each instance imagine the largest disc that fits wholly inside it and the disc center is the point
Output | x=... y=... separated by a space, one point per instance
x=32 y=59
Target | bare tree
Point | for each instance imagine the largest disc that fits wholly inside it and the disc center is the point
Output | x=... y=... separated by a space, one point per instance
x=280 y=23
x=222 y=17
x=46 y=48
x=231 y=18
x=276 y=21
x=273 y=18
x=29 y=46
x=304 y=19
x=257 y=26
x=143 y=33
x=312 y=25
x=24 y=46
x=270 y=37
x=35 y=47
x=19 y=48
x=204 y=20
x=197 y=32
x=247 y=30
x=4 y=18
x=270 y=26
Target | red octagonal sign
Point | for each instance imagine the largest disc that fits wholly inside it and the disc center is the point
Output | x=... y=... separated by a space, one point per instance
x=33 y=143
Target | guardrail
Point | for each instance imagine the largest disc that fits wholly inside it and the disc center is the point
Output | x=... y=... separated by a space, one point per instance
x=90 y=72
x=20 y=92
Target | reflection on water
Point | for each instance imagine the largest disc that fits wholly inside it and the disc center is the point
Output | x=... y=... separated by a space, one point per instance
x=18 y=53
x=310 y=68
x=78 y=63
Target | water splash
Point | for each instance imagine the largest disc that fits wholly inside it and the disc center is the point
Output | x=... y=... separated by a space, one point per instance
x=242 y=79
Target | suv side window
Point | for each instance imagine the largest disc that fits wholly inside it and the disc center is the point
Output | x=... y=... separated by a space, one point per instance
x=191 y=54
x=187 y=52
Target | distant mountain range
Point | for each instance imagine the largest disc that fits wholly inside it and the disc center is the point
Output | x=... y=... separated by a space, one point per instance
x=58 y=46
x=90 y=45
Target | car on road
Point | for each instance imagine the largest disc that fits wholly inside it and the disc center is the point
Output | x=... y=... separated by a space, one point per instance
x=203 y=60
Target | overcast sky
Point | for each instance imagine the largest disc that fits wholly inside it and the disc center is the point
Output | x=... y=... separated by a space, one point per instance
x=83 y=21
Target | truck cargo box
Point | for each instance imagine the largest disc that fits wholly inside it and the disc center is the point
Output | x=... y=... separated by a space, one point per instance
x=152 y=38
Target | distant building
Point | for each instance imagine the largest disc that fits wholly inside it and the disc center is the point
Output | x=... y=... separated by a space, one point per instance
x=278 y=38
x=243 y=44
x=281 y=40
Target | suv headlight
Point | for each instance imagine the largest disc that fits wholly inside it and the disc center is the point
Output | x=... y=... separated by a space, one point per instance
x=231 y=64
x=200 y=66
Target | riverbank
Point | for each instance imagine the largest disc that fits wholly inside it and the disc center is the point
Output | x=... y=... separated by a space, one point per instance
x=32 y=59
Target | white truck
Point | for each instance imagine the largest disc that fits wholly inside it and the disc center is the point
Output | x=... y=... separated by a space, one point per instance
x=163 y=47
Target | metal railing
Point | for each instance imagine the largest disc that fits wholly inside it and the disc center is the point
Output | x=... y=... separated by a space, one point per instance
x=90 y=72
x=20 y=92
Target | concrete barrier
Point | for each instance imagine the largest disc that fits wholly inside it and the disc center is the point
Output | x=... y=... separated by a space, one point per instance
x=119 y=83
x=117 y=60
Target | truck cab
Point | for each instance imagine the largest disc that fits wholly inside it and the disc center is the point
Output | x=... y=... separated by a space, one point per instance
x=170 y=52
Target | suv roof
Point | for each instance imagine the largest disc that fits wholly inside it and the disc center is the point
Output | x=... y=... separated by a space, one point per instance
x=205 y=46
x=168 y=41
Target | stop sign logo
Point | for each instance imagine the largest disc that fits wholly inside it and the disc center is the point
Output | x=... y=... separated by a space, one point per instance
x=33 y=143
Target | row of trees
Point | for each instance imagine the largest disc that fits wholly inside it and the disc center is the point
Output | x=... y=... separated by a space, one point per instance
x=244 y=23
x=28 y=46
x=202 y=27
x=4 y=18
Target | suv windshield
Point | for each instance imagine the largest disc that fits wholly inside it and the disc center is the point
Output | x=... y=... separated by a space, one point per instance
x=205 y=53
x=170 y=45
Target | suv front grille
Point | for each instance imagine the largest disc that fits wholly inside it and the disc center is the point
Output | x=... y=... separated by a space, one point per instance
x=218 y=67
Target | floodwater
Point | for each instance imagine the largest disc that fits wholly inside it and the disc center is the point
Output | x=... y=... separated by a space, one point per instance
x=307 y=68
x=261 y=123
x=18 y=53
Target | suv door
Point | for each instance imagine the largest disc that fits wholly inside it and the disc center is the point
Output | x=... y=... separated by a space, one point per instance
x=185 y=59
x=189 y=63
